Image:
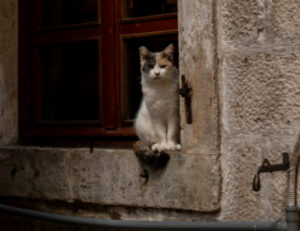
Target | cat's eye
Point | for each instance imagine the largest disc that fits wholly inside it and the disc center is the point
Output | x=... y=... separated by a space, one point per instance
x=162 y=66
x=151 y=66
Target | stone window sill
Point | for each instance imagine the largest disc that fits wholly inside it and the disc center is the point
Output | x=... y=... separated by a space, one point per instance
x=109 y=177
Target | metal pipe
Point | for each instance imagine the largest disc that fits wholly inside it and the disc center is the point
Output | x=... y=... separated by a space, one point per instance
x=292 y=209
x=145 y=225
x=292 y=218
x=292 y=175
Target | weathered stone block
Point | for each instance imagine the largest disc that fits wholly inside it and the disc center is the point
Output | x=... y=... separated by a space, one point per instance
x=260 y=91
x=110 y=177
x=244 y=154
x=239 y=22
x=284 y=23
x=198 y=62
x=34 y=173
x=257 y=23
x=113 y=178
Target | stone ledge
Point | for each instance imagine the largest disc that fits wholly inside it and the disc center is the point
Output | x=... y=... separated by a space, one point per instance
x=110 y=177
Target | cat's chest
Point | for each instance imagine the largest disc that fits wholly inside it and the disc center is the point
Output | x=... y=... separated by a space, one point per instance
x=161 y=102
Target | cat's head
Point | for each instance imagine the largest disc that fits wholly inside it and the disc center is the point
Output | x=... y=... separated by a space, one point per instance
x=156 y=65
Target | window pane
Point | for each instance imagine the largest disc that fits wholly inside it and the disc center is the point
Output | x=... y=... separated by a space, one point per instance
x=70 y=81
x=132 y=76
x=64 y=12
x=138 y=8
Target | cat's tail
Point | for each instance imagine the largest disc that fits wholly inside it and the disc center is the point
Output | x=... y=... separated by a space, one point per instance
x=147 y=156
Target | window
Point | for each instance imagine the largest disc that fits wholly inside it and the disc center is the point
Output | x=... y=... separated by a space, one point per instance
x=79 y=64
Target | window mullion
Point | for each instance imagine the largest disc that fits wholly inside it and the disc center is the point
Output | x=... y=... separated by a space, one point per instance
x=108 y=66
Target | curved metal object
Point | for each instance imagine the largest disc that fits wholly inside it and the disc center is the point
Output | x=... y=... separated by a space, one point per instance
x=145 y=225
x=267 y=167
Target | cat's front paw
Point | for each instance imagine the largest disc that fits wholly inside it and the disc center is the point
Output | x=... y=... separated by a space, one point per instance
x=155 y=147
x=159 y=147
x=173 y=146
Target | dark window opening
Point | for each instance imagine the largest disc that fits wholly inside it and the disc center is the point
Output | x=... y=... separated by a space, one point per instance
x=79 y=64
x=70 y=81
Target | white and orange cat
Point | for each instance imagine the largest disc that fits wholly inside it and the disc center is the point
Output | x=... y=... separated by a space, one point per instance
x=157 y=121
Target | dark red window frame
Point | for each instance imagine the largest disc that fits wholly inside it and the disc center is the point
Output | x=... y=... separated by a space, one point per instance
x=110 y=31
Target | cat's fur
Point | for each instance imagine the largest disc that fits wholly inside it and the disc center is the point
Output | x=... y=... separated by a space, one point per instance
x=157 y=121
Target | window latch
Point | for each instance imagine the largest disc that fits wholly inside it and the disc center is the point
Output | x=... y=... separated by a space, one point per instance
x=267 y=167
x=186 y=92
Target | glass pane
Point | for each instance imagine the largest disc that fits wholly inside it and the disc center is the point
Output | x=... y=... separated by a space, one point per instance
x=139 y=8
x=70 y=81
x=64 y=12
x=132 y=76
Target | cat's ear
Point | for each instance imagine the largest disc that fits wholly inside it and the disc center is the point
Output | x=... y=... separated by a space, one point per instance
x=144 y=52
x=168 y=52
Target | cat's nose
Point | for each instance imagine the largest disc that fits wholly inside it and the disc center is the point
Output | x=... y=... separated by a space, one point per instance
x=156 y=73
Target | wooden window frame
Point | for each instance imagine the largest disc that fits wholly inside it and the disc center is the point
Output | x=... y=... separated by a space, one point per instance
x=110 y=30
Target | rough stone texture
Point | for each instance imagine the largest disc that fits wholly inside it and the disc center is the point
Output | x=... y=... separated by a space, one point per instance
x=285 y=18
x=197 y=61
x=262 y=90
x=244 y=154
x=258 y=50
x=109 y=177
x=253 y=23
x=8 y=72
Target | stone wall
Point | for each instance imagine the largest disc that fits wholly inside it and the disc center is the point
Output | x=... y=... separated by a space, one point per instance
x=242 y=59
x=8 y=72
x=258 y=50
x=198 y=63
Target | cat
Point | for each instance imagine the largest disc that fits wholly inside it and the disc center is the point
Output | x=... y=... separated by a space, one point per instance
x=157 y=120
